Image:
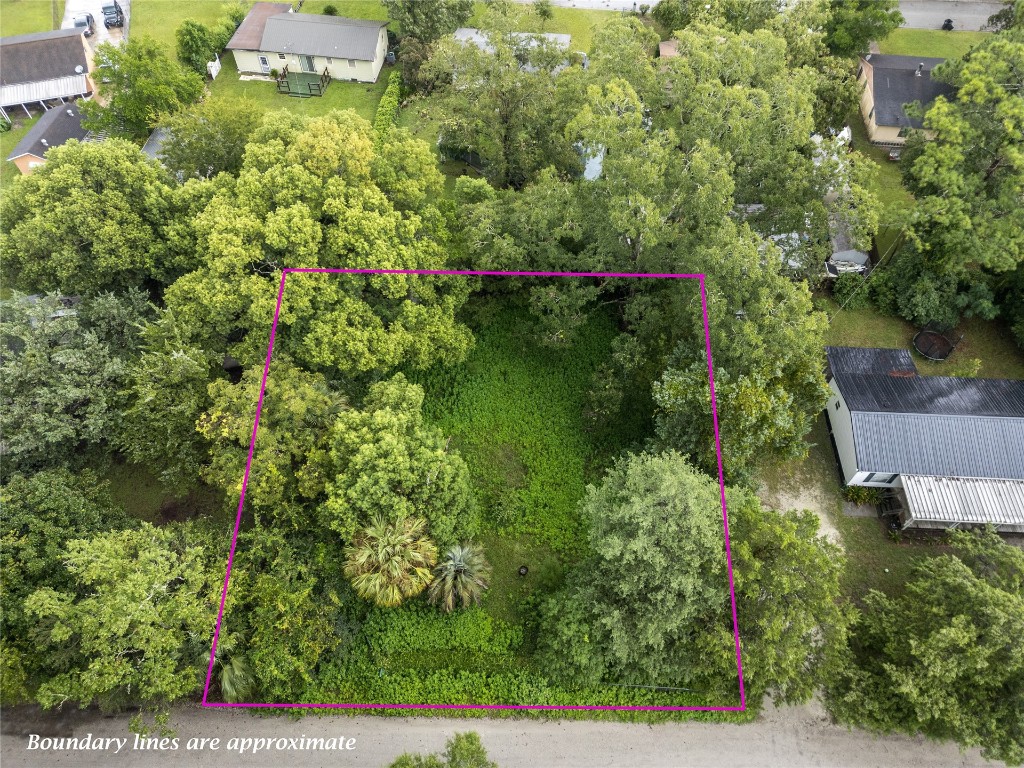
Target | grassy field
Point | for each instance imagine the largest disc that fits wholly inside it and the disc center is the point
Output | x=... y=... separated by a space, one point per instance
x=19 y=17
x=8 y=140
x=874 y=559
x=263 y=96
x=930 y=43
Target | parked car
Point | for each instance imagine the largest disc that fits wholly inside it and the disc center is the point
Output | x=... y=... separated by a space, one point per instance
x=113 y=16
x=86 y=23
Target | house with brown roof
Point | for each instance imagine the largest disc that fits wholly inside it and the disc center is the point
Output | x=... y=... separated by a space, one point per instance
x=44 y=67
x=272 y=38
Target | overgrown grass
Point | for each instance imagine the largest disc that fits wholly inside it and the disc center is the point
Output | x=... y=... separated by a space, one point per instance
x=933 y=43
x=160 y=19
x=988 y=341
x=262 y=96
x=514 y=411
x=19 y=17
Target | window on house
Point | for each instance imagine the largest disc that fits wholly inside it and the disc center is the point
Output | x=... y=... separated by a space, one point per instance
x=890 y=479
x=869 y=478
x=281 y=56
x=352 y=62
x=839 y=404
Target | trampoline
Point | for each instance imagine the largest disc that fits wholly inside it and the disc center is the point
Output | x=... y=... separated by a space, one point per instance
x=934 y=344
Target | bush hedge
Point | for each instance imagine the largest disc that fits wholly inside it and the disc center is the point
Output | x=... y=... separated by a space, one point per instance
x=387 y=109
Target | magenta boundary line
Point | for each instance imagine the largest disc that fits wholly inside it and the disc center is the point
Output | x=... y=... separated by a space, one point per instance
x=586 y=707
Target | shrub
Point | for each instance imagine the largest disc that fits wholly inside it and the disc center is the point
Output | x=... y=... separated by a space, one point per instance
x=848 y=289
x=330 y=10
x=387 y=110
x=860 y=494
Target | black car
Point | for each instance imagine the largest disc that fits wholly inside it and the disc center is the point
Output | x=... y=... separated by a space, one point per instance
x=86 y=23
x=113 y=16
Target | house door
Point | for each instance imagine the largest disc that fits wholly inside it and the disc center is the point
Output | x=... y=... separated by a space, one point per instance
x=307 y=63
x=264 y=64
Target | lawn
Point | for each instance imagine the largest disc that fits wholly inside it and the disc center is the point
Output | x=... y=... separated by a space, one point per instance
x=160 y=19
x=262 y=95
x=932 y=43
x=874 y=559
x=19 y=17
x=988 y=341
x=8 y=140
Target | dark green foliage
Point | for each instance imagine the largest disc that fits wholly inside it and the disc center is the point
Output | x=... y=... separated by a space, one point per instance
x=463 y=750
x=41 y=513
x=850 y=291
x=862 y=494
x=330 y=10
x=945 y=658
x=195 y=45
x=387 y=109
x=852 y=24
x=428 y=20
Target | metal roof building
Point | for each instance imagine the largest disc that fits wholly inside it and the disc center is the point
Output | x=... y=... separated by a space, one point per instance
x=954 y=446
x=44 y=66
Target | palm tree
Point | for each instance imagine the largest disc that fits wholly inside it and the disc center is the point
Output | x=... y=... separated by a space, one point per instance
x=460 y=578
x=388 y=562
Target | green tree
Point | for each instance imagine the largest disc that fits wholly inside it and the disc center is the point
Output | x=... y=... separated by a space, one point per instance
x=42 y=513
x=390 y=561
x=463 y=750
x=853 y=24
x=316 y=192
x=135 y=626
x=289 y=467
x=967 y=218
x=460 y=578
x=93 y=218
x=544 y=11
x=196 y=45
x=166 y=394
x=946 y=657
x=62 y=377
x=139 y=83
x=428 y=20
x=208 y=138
x=387 y=462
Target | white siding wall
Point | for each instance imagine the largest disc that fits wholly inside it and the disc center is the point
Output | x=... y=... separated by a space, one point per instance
x=842 y=433
x=340 y=69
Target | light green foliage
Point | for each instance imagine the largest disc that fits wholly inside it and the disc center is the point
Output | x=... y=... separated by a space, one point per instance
x=208 y=138
x=629 y=613
x=967 y=183
x=946 y=658
x=387 y=463
x=138 y=83
x=314 y=193
x=428 y=20
x=91 y=219
x=289 y=462
x=463 y=750
x=166 y=393
x=544 y=11
x=63 y=374
x=460 y=578
x=390 y=561
x=855 y=23
x=41 y=513
x=195 y=45
x=387 y=110
x=503 y=104
x=136 y=624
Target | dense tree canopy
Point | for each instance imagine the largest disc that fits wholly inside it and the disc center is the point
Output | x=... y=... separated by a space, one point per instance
x=314 y=192
x=428 y=20
x=945 y=658
x=853 y=24
x=208 y=138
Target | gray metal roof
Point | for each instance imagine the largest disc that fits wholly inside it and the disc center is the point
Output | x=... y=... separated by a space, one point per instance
x=943 y=446
x=894 y=83
x=333 y=36
x=56 y=127
x=44 y=90
x=965 y=500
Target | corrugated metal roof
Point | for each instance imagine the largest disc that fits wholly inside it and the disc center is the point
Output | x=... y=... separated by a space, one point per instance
x=28 y=93
x=965 y=500
x=250 y=32
x=334 y=36
x=949 y=446
x=862 y=360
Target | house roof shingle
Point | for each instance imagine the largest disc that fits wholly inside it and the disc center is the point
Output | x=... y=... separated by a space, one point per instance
x=332 y=36
x=895 y=83
x=929 y=425
x=249 y=34
x=42 y=56
x=56 y=127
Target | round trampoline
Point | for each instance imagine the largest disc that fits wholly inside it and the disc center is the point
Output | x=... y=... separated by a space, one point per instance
x=933 y=344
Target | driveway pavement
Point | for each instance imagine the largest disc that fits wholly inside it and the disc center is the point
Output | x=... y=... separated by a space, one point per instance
x=967 y=15
x=791 y=737
x=103 y=35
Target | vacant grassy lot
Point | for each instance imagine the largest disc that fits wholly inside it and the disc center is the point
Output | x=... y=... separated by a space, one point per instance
x=160 y=18
x=8 y=140
x=19 y=17
x=930 y=43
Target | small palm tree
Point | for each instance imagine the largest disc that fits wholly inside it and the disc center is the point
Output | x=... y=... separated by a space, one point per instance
x=461 y=578
x=388 y=562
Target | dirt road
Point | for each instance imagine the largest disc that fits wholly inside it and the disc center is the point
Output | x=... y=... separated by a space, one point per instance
x=789 y=738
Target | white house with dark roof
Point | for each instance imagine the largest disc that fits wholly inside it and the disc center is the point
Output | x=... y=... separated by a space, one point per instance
x=951 y=449
x=44 y=67
x=272 y=38
x=889 y=83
